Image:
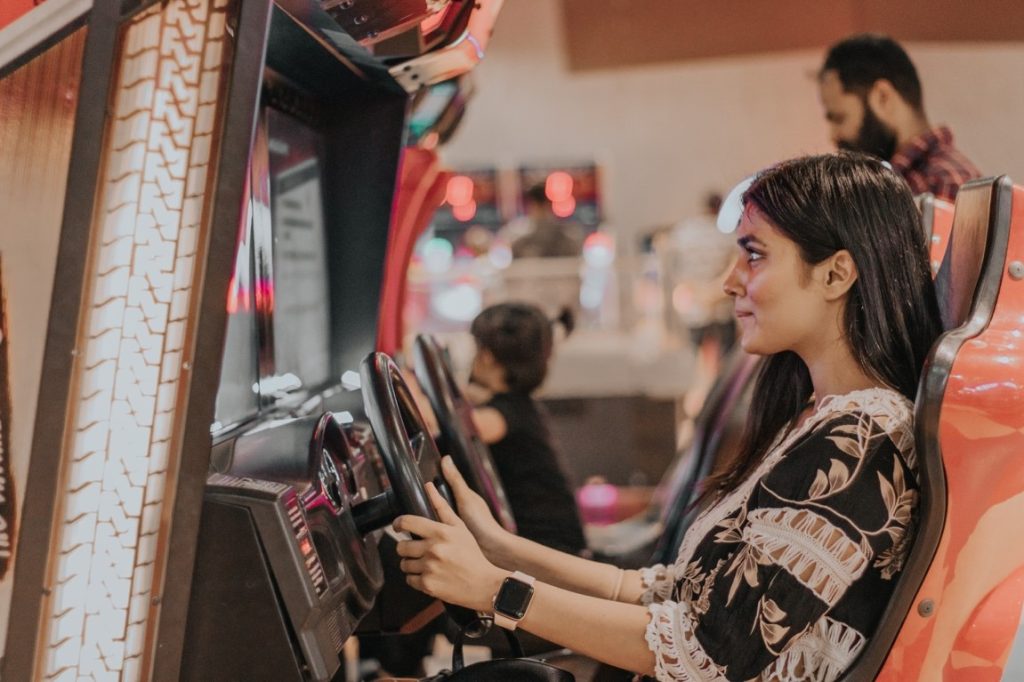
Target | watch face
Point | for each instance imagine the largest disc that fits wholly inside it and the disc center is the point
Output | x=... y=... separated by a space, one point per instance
x=513 y=598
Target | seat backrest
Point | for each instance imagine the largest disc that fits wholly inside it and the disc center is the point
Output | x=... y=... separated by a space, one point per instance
x=974 y=222
x=717 y=431
x=936 y=223
x=968 y=287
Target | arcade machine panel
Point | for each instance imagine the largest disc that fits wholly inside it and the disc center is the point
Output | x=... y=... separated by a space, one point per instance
x=286 y=566
x=937 y=224
x=370 y=21
x=449 y=44
x=435 y=30
x=261 y=606
x=332 y=480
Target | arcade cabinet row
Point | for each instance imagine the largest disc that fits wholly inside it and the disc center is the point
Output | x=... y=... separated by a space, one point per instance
x=232 y=170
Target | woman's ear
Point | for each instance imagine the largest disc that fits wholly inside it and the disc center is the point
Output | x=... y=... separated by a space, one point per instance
x=840 y=272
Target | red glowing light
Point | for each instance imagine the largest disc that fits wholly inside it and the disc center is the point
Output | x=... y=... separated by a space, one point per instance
x=464 y=212
x=265 y=295
x=460 y=192
x=238 y=297
x=558 y=187
x=599 y=240
x=305 y=546
x=564 y=208
x=233 y=295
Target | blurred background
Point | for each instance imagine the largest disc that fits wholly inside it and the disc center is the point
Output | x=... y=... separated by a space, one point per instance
x=632 y=122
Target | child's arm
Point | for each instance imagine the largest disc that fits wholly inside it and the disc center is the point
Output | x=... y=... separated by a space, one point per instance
x=490 y=424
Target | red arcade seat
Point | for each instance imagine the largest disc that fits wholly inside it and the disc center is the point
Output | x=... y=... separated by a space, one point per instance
x=653 y=535
x=958 y=603
x=937 y=222
x=720 y=428
x=421 y=187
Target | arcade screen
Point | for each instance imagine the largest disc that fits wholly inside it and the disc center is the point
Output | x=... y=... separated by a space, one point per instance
x=237 y=394
x=472 y=198
x=574 y=190
x=300 y=289
x=429 y=107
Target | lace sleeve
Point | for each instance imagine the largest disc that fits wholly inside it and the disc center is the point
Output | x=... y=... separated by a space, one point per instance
x=657 y=582
x=792 y=583
x=678 y=655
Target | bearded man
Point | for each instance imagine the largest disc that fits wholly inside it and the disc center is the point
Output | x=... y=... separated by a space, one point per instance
x=872 y=99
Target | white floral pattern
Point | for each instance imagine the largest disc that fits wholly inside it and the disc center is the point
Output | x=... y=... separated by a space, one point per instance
x=785 y=577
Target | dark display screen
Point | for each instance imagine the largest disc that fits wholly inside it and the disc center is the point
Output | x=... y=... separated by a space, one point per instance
x=300 y=290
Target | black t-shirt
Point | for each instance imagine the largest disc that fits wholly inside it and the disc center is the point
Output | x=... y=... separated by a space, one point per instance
x=542 y=501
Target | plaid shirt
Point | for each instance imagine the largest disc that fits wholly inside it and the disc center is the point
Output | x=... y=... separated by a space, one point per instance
x=930 y=163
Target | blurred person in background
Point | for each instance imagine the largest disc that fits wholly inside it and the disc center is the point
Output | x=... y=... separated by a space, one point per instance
x=703 y=257
x=545 y=235
x=699 y=256
x=873 y=103
x=513 y=348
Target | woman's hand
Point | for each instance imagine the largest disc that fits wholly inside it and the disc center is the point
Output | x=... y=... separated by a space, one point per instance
x=475 y=513
x=444 y=560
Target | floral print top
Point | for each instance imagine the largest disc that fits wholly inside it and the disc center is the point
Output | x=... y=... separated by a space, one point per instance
x=786 y=577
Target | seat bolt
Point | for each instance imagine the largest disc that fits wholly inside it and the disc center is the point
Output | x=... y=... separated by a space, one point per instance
x=1016 y=270
x=926 y=607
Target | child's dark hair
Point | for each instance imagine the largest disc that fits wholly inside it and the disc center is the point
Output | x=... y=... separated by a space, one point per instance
x=519 y=337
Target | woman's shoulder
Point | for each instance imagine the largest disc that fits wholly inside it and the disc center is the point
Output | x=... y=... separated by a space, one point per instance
x=874 y=410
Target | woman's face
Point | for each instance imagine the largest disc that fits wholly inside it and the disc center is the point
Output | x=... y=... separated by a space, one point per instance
x=778 y=298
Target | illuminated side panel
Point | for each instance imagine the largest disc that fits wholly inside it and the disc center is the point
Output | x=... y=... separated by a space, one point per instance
x=296 y=521
x=125 y=411
x=306 y=547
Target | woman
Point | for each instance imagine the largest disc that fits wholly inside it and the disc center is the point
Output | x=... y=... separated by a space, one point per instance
x=786 y=573
x=513 y=348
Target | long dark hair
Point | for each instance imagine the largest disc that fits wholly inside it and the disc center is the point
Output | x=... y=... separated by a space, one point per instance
x=825 y=204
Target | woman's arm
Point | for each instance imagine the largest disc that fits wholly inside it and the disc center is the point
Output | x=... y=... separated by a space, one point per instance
x=568 y=571
x=446 y=562
x=514 y=553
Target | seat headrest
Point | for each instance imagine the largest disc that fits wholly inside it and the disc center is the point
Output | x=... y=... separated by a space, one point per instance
x=926 y=207
x=982 y=219
x=936 y=224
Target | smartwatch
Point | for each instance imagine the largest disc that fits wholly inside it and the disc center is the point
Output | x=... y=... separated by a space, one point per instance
x=512 y=600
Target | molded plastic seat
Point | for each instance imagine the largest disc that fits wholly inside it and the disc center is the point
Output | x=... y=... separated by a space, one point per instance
x=937 y=223
x=721 y=430
x=659 y=529
x=968 y=429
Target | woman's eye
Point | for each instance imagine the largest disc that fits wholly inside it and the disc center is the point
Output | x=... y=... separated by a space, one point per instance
x=753 y=256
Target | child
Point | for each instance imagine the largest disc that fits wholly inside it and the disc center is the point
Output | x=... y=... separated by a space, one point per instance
x=513 y=349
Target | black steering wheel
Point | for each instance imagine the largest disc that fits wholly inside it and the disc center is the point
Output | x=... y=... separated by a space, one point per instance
x=407 y=449
x=459 y=436
x=410 y=455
